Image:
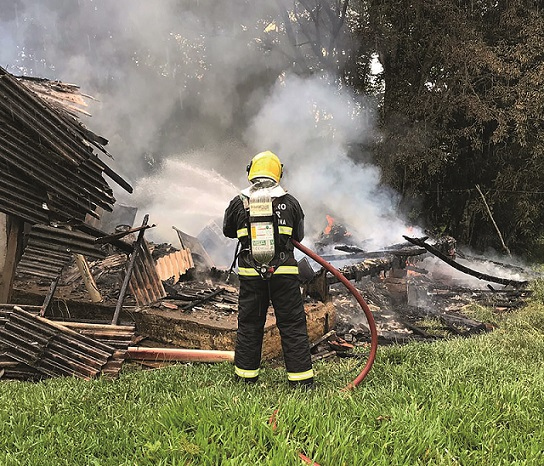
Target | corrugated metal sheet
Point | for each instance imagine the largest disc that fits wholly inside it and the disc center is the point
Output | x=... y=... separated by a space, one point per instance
x=174 y=265
x=51 y=154
x=119 y=337
x=50 y=178
x=20 y=198
x=49 y=249
x=14 y=370
x=52 y=349
x=145 y=283
x=10 y=368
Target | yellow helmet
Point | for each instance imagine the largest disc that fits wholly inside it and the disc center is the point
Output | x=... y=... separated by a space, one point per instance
x=265 y=165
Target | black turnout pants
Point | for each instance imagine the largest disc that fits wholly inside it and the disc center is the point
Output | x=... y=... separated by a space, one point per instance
x=254 y=299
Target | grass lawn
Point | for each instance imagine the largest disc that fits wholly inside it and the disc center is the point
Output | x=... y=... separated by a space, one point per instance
x=477 y=401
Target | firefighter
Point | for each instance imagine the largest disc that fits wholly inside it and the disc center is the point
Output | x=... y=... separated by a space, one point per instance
x=264 y=218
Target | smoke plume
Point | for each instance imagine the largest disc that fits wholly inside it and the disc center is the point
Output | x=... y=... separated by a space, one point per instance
x=186 y=95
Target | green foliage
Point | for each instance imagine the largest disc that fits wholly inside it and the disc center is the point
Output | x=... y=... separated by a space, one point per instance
x=482 y=314
x=469 y=401
x=463 y=106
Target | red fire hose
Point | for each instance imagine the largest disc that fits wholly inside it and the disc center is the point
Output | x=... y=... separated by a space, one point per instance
x=364 y=306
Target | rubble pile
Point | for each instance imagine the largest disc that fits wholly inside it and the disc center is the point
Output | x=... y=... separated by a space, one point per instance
x=79 y=289
x=198 y=309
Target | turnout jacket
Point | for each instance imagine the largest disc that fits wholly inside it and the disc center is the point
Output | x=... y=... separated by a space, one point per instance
x=288 y=222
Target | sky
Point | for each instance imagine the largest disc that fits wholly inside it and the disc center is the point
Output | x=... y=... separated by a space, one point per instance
x=186 y=96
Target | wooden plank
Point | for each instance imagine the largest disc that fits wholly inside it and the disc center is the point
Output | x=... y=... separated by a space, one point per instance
x=10 y=246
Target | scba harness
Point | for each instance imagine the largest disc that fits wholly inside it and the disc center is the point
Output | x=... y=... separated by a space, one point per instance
x=262 y=233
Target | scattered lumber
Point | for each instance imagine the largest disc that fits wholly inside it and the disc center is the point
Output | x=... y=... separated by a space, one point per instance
x=481 y=276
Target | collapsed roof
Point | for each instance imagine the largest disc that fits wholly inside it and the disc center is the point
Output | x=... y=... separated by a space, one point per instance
x=52 y=176
x=51 y=172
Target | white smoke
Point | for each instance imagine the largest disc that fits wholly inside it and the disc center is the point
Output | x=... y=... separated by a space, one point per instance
x=145 y=61
x=311 y=125
x=442 y=271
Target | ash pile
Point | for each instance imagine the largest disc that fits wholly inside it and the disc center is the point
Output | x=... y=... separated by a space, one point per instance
x=418 y=290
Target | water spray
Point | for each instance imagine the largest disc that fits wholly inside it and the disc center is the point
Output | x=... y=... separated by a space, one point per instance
x=363 y=304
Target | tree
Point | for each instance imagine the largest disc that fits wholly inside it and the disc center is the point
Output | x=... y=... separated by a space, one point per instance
x=462 y=107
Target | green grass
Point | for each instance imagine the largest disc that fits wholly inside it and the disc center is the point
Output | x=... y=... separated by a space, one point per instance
x=477 y=401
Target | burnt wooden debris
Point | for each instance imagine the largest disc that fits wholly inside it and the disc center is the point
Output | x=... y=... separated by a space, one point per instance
x=480 y=275
x=140 y=275
x=408 y=303
x=187 y=296
x=49 y=156
x=331 y=344
x=429 y=311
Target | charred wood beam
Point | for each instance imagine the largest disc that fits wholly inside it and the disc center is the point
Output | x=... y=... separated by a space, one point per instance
x=462 y=325
x=396 y=339
x=517 y=293
x=419 y=270
x=462 y=268
x=171 y=291
x=118 y=243
x=499 y=264
x=115 y=177
x=121 y=234
x=453 y=323
x=371 y=267
x=322 y=355
x=419 y=331
x=202 y=300
x=322 y=338
x=130 y=267
x=49 y=296
x=400 y=251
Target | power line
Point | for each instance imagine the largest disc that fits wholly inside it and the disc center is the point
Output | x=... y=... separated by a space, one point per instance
x=488 y=190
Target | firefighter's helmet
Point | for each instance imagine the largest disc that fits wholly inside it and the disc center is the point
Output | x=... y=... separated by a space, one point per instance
x=265 y=165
